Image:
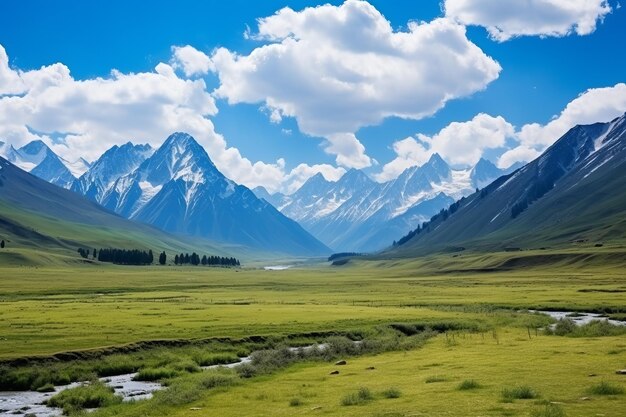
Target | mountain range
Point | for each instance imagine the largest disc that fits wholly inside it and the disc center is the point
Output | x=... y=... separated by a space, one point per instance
x=42 y=222
x=38 y=159
x=358 y=214
x=178 y=189
x=574 y=193
x=574 y=188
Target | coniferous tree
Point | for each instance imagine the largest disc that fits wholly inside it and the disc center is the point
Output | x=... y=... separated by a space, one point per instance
x=124 y=256
x=176 y=260
x=2 y=244
x=95 y=253
x=162 y=258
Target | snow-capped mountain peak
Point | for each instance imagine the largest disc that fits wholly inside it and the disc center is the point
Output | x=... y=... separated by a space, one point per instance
x=38 y=159
x=179 y=189
x=315 y=185
x=115 y=163
x=354 y=179
x=78 y=167
x=370 y=214
x=180 y=157
x=484 y=172
x=30 y=155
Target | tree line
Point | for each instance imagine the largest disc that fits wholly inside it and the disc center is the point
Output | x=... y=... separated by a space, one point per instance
x=343 y=255
x=84 y=253
x=194 y=259
x=142 y=257
x=125 y=256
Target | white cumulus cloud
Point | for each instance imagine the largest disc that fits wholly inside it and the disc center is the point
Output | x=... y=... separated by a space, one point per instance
x=511 y=18
x=339 y=68
x=191 y=61
x=10 y=81
x=521 y=153
x=459 y=143
x=592 y=106
x=300 y=174
x=94 y=114
x=409 y=153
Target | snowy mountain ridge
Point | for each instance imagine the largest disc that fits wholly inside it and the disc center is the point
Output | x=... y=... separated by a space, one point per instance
x=356 y=213
x=38 y=159
x=178 y=189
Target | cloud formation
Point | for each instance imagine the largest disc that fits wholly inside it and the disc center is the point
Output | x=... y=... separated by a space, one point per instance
x=511 y=18
x=336 y=69
x=594 y=105
x=191 y=61
x=10 y=81
x=459 y=143
x=83 y=118
x=300 y=174
x=464 y=143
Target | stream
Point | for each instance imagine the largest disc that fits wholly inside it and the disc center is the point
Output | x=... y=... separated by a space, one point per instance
x=32 y=402
x=277 y=267
x=23 y=403
x=579 y=318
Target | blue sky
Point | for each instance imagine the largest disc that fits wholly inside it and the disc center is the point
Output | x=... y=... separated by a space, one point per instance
x=540 y=74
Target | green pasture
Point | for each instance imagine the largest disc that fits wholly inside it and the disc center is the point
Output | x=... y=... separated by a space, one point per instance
x=44 y=310
x=492 y=345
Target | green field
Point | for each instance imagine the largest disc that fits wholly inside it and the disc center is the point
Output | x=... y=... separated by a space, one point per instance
x=479 y=299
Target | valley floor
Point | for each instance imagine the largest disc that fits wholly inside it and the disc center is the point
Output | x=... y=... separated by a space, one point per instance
x=558 y=369
x=479 y=299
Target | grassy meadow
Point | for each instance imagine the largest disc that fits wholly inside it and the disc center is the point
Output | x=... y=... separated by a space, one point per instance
x=167 y=321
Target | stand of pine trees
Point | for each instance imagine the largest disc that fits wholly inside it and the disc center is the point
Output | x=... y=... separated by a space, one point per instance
x=194 y=259
x=140 y=257
x=162 y=258
x=126 y=256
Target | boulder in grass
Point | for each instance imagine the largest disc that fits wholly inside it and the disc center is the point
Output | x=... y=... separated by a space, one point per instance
x=342 y=362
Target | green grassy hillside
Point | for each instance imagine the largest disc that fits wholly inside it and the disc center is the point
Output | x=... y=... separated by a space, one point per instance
x=42 y=224
x=585 y=205
x=74 y=320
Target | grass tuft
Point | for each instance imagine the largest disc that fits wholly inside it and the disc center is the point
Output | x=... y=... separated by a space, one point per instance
x=392 y=393
x=595 y=328
x=93 y=395
x=295 y=402
x=468 y=384
x=156 y=374
x=192 y=386
x=116 y=365
x=435 y=378
x=606 y=388
x=522 y=392
x=203 y=359
x=360 y=397
x=46 y=388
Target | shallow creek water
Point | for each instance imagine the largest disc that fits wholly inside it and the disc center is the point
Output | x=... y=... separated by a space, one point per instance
x=579 y=318
x=14 y=403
